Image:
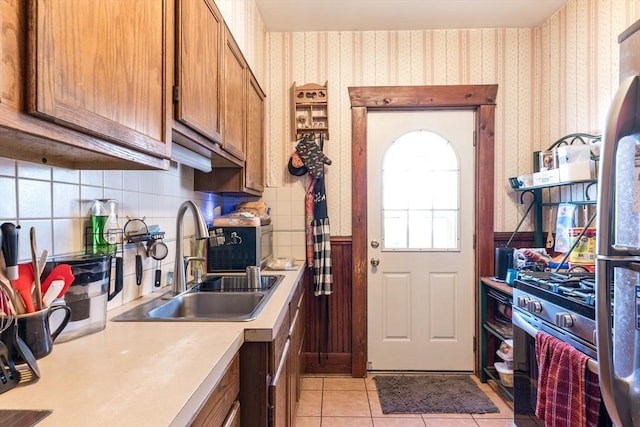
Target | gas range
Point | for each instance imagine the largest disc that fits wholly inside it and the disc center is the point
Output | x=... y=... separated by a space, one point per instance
x=562 y=302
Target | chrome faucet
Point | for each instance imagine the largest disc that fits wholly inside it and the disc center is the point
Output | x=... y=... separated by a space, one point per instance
x=179 y=268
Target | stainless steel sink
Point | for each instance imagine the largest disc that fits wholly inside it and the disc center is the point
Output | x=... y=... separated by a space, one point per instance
x=236 y=284
x=216 y=299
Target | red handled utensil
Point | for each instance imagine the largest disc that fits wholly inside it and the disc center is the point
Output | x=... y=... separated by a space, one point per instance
x=23 y=284
x=59 y=272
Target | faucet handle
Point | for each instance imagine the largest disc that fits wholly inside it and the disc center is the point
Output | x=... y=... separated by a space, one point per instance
x=197 y=272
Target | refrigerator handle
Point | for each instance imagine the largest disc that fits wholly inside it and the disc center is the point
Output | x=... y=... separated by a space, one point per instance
x=604 y=326
x=620 y=122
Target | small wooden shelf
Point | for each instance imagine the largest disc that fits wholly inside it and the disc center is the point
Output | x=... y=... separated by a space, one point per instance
x=309 y=110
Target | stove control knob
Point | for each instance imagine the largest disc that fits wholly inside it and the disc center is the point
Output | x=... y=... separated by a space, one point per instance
x=564 y=320
x=523 y=302
x=535 y=307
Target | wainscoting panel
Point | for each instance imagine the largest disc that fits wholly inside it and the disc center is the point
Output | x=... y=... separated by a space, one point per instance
x=327 y=346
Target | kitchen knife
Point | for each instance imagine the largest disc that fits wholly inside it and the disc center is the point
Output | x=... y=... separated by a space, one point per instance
x=10 y=248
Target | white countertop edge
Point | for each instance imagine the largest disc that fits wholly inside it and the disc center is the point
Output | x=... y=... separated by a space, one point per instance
x=186 y=415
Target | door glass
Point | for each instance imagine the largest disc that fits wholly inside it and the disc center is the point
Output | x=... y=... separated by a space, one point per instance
x=420 y=193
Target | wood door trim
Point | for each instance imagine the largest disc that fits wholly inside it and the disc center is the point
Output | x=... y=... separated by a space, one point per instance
x=480 y=99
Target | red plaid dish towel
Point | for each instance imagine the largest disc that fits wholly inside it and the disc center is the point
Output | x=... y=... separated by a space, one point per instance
x=568 y=394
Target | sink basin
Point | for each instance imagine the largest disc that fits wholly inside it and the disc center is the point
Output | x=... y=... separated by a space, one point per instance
x=209 y=306
x=216 y=299
x=235 y=284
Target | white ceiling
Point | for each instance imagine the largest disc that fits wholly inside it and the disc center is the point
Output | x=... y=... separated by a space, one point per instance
x=387 y=15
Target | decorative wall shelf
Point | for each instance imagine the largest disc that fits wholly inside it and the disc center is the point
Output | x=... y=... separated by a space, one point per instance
x=309 y=112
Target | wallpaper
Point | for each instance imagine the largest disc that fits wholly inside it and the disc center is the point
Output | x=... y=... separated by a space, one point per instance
x=552 y=80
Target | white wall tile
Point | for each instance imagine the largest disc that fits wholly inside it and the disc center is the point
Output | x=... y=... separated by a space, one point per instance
x=68 y=236
x=66 y=175
x=92 y=177
x=66 y=200
x=7 y=167
x=8 y=206
x=131 y=180
x=34 y=171
x=44 y=238
x=34 y=198
x=113 y=179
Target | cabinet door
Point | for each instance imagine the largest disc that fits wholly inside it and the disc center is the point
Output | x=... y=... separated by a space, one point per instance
x=234 y=119
x=197 y=94
x=279 y=391
x=101 y=69
x=221 y=406
x=254 y=167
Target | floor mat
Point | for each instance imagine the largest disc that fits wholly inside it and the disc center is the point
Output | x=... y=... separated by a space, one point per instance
x=432 y=394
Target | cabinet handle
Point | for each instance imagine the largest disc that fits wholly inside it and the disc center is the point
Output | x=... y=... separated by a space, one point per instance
x=232 y=415
x=283 y=362
x=293 y=323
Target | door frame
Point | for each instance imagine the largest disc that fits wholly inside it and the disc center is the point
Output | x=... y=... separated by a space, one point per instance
x=479 y=98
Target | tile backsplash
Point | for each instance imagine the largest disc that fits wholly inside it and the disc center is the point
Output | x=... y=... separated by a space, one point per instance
x=57 y=202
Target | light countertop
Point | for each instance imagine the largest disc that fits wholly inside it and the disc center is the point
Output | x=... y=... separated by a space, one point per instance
x=142 y=373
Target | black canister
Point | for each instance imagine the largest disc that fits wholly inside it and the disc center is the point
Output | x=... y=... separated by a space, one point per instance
x=503 y=262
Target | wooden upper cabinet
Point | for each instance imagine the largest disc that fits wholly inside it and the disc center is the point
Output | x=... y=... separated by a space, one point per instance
x=101 y=68
x=234 y=119
x=254 y=167
x=197 y=93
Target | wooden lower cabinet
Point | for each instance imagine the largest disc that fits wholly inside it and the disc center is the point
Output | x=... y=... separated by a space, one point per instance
x=222 y=407
x=270 y=375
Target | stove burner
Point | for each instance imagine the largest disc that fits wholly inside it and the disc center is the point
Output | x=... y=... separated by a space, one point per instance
x=578 y=287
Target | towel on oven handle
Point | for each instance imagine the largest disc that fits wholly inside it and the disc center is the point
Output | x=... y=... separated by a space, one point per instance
x=568 y=393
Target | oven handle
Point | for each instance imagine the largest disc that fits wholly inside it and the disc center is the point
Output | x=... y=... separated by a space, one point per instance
x=518 y=320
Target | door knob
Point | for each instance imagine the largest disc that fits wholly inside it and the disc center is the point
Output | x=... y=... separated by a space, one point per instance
x=375 y=262
x=375 y=244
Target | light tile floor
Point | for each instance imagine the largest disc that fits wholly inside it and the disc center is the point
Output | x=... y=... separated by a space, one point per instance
x=336 y=401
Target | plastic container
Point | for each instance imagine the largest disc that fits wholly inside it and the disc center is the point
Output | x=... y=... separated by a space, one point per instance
x=506 y=374
x=506 y=358
x=87 y=295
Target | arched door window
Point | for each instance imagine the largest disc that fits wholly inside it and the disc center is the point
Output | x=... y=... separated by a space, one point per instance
x=420 y=194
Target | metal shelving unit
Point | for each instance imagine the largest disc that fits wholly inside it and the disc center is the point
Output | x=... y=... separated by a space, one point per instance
x=492 y=330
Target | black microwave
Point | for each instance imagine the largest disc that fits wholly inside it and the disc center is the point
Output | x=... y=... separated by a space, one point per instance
x=234 y=248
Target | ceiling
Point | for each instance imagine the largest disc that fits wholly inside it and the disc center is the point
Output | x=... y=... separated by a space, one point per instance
x=387 y=15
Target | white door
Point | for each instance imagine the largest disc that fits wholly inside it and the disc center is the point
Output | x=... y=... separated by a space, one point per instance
x=420 y=214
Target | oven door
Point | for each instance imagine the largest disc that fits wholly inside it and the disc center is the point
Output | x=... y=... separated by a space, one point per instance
x=525 y=367
x=525 y=370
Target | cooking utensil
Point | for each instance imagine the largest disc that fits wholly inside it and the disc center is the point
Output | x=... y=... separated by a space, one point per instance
x=138 y=269
x=42 y=263
x=550 y=240
x=10 y=248
x=9 y=375
x=30 y=370
x=157 y=250
x=37 y=291
x=59 y=272
x=52 y=292
x=118 y=280
x=23 y=286
x=136 y=231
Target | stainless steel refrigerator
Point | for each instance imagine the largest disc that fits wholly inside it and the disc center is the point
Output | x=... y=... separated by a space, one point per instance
x=618 y=243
